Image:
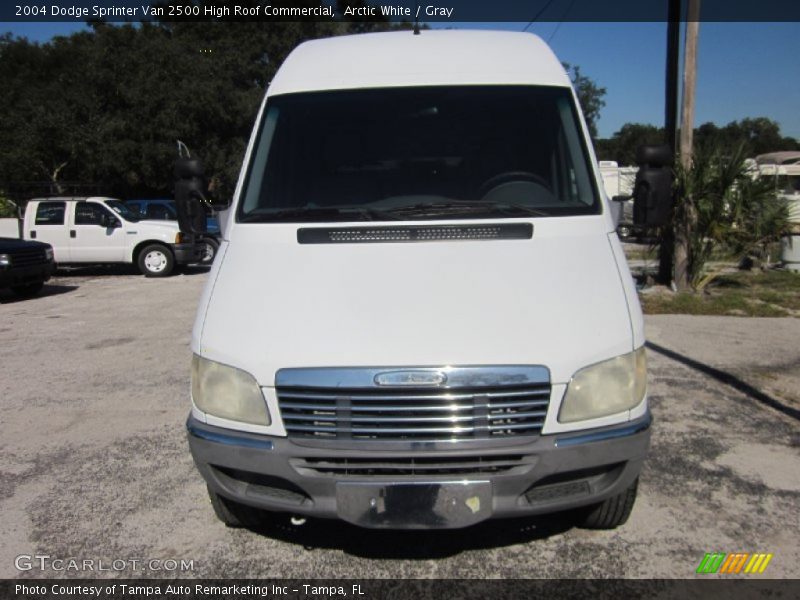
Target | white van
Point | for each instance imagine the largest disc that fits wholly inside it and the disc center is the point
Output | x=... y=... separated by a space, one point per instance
x=420 y=315
x=105 y=230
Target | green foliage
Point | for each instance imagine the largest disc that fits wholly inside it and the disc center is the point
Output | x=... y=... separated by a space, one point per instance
x=7 y=207
x=107 y=106
x=756 y=136
x=719 y=204
x=590 y=96
x=744 y=293
x=622 y=146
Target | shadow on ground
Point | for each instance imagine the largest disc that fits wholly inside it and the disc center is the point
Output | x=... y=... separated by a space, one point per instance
x=9 y=297
x=121 y=269
x=420 y=544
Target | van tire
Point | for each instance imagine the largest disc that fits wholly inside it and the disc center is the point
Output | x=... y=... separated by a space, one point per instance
x=155 y=260
x=234 y=514
x=612 y=512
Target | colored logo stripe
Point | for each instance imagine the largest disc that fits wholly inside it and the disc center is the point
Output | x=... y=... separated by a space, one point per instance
x=711 y=562
x=714 y=562
x=758 y=563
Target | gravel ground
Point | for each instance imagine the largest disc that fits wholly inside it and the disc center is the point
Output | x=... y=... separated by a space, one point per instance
x=94 y=462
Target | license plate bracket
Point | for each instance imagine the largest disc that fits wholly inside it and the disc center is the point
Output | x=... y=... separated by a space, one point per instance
x=417 y=505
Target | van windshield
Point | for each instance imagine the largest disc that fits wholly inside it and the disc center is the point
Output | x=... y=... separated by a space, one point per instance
x=419 y=153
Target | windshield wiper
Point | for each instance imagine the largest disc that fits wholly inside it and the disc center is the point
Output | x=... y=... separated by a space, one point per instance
x=466 y=206
x=317 y=213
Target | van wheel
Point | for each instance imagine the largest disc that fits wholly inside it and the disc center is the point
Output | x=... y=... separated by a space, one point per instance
x=612 y=512
x=156 y=260
x=209 y=251
x=234 y=514
x=28 y=290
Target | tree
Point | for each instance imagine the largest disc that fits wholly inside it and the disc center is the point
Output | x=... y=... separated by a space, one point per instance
x=106 y=106
x=757 y=135
x=621 y=147
x=718 y=203
x=590 y=96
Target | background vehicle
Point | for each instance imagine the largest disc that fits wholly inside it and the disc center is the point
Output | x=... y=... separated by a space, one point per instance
x=163 y=209
x=105 y=230
x=25 y=266
x=421 y=315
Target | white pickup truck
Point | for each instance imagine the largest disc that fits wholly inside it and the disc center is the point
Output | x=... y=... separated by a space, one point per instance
x=105 y=230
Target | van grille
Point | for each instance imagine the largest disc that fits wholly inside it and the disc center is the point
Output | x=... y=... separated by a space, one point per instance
x=414 y=414
x=412 y=465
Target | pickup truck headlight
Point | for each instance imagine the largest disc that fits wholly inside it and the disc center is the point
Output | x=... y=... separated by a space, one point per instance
x=606 y=388
x=227 y=392
x=5 y=260
x=48 y=253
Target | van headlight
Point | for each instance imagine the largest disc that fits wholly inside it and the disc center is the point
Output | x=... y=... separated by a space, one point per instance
x=227 y=392
x=606 y=388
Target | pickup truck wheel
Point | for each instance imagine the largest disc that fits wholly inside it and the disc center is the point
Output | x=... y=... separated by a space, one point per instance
x=156 y=260
x=209 y=251
x=612 y=512
x=234 y=514
x=30 y=289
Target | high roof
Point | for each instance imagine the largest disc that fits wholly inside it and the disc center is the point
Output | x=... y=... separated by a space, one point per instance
x=432 y=58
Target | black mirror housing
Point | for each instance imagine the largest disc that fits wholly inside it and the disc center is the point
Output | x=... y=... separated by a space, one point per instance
x=190 y=195
x=652 y=190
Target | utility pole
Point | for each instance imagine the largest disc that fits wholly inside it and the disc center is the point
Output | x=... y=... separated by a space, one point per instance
x=688 y=223
x=666 y=249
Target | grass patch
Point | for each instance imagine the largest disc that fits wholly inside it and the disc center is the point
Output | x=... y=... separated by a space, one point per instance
x=746 y=294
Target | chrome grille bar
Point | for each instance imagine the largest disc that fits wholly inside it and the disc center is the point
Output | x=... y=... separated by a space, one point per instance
x=463 y=403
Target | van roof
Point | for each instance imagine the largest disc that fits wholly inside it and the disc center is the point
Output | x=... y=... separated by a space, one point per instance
x=401 y=59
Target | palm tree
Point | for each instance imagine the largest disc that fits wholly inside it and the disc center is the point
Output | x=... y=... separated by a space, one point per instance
x=720 y=203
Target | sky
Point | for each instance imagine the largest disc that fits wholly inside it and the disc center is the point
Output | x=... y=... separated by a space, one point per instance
x=744 y=69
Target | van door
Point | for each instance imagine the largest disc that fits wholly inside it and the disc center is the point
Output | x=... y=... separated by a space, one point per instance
x=49 y=225
x=96 y=234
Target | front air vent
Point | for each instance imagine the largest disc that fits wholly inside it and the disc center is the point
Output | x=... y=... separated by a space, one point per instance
x=414 y=233
x=425 y=465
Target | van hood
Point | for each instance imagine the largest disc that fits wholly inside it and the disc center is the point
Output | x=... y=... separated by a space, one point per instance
x=555 y=300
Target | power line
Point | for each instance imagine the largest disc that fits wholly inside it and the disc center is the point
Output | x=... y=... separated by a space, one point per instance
x=564 y=16
x=538 y=14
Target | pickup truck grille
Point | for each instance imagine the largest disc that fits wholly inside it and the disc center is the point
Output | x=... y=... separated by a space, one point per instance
x=26 y=258
x=414 y=413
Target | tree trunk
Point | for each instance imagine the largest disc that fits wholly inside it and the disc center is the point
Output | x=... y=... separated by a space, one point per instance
x=684 y=227
x=683 y=249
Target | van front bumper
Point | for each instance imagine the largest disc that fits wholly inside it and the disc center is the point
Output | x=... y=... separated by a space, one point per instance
x=426 y=485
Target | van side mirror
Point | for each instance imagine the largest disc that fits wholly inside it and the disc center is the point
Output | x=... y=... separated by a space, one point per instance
x=190 y=195
x=652 y=189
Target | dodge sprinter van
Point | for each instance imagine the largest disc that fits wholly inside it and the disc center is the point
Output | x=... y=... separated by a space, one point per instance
x=420 y=315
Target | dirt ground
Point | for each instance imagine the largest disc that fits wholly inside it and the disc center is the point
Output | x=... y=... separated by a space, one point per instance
x=94 y=462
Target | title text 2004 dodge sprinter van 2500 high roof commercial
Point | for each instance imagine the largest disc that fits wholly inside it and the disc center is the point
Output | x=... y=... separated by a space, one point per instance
x=420 y=315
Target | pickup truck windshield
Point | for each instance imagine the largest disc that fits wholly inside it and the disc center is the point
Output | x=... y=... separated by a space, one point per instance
x=419 y=153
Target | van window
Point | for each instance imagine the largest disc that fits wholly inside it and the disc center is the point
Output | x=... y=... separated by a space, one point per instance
x=419 y=153
x=50 y=213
